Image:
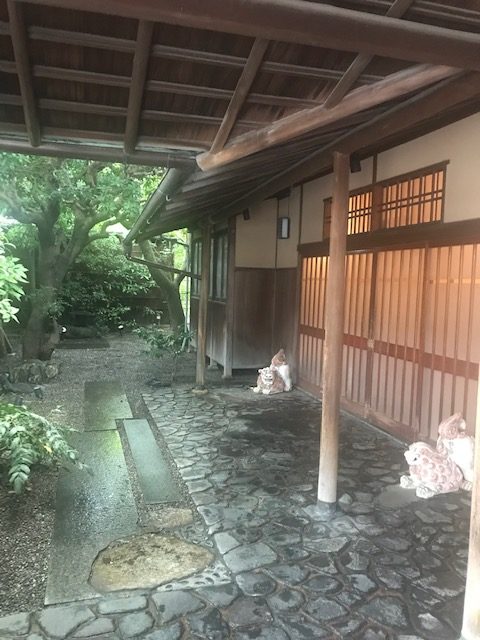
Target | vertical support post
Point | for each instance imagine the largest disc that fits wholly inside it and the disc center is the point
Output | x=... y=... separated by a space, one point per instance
x=203 y=308
x=230 y=306
x=471 y=609
x=334 y=323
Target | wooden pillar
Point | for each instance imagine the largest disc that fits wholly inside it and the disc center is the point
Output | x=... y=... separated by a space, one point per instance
x=230 y=306
x=471 y=610
x=334 y=323
x=203 y=308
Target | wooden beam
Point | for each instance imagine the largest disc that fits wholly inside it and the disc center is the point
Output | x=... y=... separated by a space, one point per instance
x=76 y=75
x=361 y=62
x=11 y=99
x=471 y=608
x=116 y=111
x=334 y=323
x=151 y=114
x=203 y=309
x=96 y=41
x=25 y=79
x=308 y=23
x=81 y=39
x=244 y=84
x=400 y=118
x=69 y=106
x=96 y=152
x=393 y=86
x=137 y=87
x=158 y=86
x=146 y=143
x=7 y=66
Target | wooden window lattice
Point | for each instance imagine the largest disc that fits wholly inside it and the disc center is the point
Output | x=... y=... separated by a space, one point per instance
x=409 y=200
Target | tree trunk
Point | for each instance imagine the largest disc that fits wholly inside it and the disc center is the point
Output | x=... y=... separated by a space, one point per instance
x=169 y=288
x=3 y=343
x=41 y=333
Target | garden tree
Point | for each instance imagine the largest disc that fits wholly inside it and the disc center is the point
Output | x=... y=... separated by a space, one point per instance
x=70 y=204
x=168 y=283
x=12 y=277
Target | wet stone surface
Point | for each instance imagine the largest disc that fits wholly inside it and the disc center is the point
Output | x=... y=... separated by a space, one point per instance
x=383 y=567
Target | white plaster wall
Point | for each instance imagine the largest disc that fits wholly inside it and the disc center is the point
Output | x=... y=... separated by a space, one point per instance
x=459 y=143
x=287 y=255
x=255 y=238
x=315 y=192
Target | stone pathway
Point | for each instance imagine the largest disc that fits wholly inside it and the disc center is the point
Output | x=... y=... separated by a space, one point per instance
x=92 y=509
x=105 y=402
x=250 y=463
x=156 y=480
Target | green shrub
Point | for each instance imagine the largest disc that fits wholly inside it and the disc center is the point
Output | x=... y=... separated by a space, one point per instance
x=103 y=283
x=27 y=439
x=163 y=341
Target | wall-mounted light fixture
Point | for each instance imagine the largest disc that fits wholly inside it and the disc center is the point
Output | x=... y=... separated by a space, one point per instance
x=246 y=214
x=283 y=228
x=355 y=164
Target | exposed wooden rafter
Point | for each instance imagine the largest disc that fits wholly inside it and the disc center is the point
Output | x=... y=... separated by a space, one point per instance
x=97 y=152
x=137 y=87
x=70 y=106
x=240 y=94
x=180 y=54
x=361 y=62
x=158 y=86
x=394 y=86
x=303 y=22
x=19 y=38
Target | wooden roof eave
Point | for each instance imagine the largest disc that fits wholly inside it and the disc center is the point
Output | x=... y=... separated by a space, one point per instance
x=395 y=121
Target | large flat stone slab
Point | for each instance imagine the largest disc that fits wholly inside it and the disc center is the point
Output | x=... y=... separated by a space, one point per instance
x=105 y=402
x=147 y=560
x=156 y=480
x=93 y=508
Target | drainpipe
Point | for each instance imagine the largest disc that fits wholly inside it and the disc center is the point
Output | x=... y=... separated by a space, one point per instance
x=172 y=181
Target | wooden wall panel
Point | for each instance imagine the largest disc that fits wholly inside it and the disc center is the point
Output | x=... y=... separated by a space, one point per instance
x=253 y=323
x=216 y=331
x=215 y=328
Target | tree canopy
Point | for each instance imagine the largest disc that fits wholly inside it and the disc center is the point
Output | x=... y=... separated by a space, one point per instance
x=69 y=204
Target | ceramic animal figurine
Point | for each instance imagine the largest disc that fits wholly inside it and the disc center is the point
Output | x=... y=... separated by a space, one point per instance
x=454 y=442
x=279 y=364
x=431 y=472
x=269 y=381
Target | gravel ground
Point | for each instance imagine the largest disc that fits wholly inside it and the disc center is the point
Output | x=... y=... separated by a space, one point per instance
x=26 y=522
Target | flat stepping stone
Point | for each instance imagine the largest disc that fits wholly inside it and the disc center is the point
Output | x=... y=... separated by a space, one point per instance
x=153 y=470
x=147 y=560
x=93 y=508
x=105 y=402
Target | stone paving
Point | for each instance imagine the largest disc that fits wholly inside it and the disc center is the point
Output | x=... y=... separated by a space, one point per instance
x=250 y=463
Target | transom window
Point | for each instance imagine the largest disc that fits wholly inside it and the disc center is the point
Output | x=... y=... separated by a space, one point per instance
x=416 y=198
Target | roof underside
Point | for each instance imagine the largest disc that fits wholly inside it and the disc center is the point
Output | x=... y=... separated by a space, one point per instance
x=258 y=100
